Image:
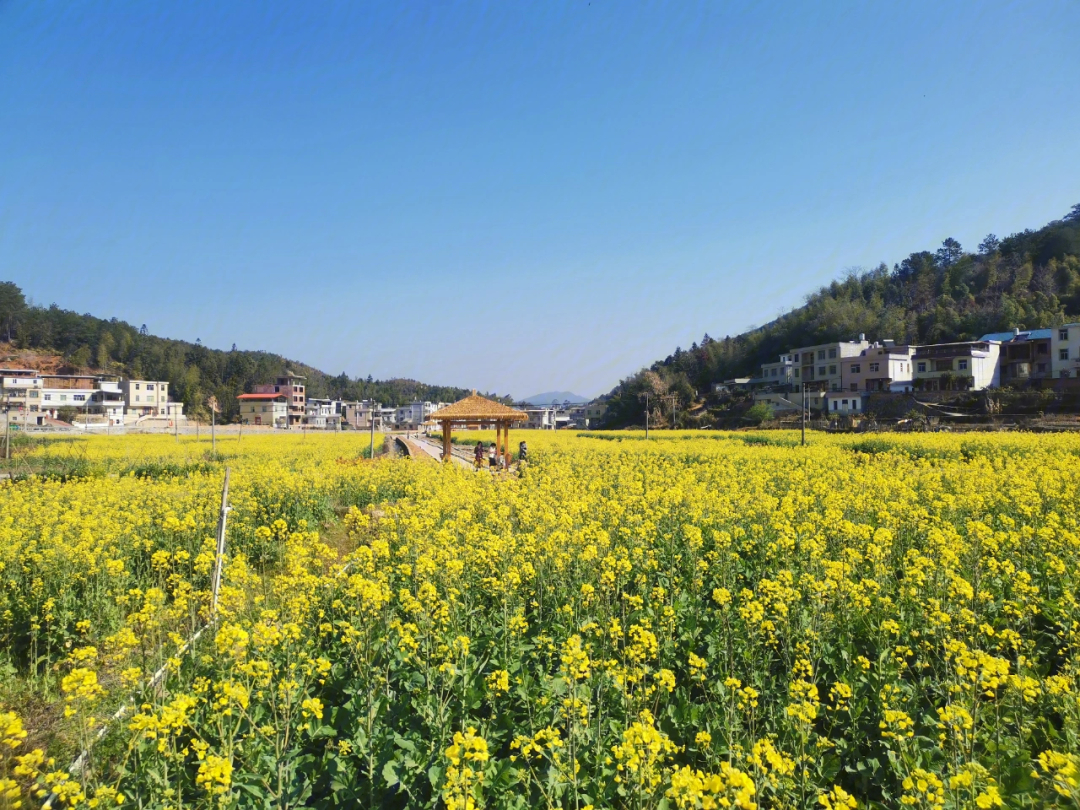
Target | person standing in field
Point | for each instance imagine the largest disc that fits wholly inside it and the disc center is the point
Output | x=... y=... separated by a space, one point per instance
x=478 y=455
x=492 y=460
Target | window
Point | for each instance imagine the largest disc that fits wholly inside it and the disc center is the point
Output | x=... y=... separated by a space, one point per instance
x=33 y=395
x=80 y=397
x=1063 y=334
x=835 y=405
x=48 y=397
x=136 y=397
x=1063 y=354
x=855 y=404
x=922 y=368
x=873 y=366
x=856 y=368
x=854 y=386
x=832 y=369
x=832 y=354
x=821 y=371
x=136 y=386
x=821 y=354
x=149 y=386
x=845 y=403
x=1041 y=368
x=796 y=372
x=963 y=365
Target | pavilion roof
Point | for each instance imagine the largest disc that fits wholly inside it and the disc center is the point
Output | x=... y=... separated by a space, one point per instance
x=475 y=408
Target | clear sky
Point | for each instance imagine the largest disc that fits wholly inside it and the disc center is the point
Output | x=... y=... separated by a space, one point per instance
x=512 y=196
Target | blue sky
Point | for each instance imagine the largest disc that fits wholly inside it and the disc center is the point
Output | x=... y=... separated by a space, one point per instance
x=509 y=196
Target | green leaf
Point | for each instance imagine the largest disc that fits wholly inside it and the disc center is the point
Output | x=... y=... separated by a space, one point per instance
x=389 y=775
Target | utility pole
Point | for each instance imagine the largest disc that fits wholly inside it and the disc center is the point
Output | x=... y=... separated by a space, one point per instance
x=372 y=420
x=674 y=401
x=213 y=403
x=803 y=413
x=7 y=428
x=646 y=414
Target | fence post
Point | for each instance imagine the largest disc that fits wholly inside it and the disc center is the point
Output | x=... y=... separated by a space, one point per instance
x=220 y=555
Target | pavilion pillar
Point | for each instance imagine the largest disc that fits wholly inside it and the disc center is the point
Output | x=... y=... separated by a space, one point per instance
x=506 y=440
x=446 y=440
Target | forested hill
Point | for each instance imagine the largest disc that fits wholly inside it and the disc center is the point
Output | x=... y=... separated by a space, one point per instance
x=1027 y=280
x=194 y=371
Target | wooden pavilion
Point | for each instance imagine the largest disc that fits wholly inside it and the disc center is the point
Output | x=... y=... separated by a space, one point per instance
x=479 y=412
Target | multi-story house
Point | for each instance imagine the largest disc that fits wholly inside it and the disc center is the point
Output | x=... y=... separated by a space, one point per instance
x=1065 y=350
x=879 y=367
x=778 y=375
x=107 y=402
x=594 y=413
x=413 y=415
x=323 y=413
x=292 y=386
x=358 y=415
x=965 y=366
x=21 y=395
x=265 y=408
x=66 y=391
x=1025 y=355
x=819 y=367
x=146 y=397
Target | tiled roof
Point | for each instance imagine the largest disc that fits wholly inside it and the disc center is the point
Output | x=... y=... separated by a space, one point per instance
x=478 y=408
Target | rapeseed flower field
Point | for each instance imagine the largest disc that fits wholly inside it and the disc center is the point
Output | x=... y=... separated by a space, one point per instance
x=693 y=621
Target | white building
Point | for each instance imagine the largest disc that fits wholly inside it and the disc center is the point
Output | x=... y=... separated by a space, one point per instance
x=965 y=366
x=845 y=402
x=1065 y=350
x=323 y=413
x=91 y=399
x=413 y=415
x=776 y=375
x=20 y=394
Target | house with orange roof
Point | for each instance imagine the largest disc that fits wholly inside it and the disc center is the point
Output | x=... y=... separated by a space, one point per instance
x=265 y=408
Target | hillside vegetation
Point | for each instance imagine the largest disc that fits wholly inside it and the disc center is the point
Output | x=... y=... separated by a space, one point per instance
x=84 y=343
x=1027 y=280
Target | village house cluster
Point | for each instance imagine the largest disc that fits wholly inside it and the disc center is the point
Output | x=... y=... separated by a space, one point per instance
x=284 y=404
x=35 y=398
x=838 y=377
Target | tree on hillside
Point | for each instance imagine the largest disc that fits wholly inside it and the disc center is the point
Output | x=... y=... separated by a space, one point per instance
x=12 y=306
x=1029 y=279
x=989 y=245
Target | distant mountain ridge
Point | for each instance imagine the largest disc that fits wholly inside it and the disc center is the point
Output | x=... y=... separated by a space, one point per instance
x=556 y=396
